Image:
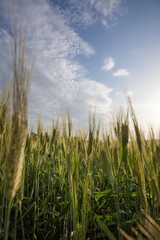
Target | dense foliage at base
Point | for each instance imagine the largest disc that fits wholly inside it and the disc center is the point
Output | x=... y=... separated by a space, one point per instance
x=84 y=185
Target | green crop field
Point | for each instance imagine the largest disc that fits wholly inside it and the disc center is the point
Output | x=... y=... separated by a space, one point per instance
x=65 y=184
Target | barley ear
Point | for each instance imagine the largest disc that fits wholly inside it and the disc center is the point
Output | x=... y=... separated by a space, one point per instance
x=15 y=158
x=21 y=82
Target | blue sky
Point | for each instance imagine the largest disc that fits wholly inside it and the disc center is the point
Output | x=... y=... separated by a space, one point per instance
x=87 y=52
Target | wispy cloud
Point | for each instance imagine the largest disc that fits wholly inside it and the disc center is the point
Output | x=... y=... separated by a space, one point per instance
x=108 y=64
x=125 y=93
x=129 y=93
x=121 y=73
x=88 y=12
x=59 y=79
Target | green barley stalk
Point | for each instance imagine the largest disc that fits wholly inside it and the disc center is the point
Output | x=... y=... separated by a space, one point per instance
x=15 y=159
x=140 y=158
x=5 y=117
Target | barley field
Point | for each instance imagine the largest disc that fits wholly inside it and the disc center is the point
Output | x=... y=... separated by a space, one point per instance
x=82 y=184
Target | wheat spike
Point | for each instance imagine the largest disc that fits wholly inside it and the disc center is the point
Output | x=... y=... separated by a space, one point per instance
x=21 y=81
x=15 y=159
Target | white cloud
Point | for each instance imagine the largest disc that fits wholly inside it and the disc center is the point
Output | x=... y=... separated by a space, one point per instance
x=121 y=73
x=124 y=93
x=81 y=97
x=129 y=93
x=59 y=79
x=108 y=64
x=118 y=93
x=88 y=12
